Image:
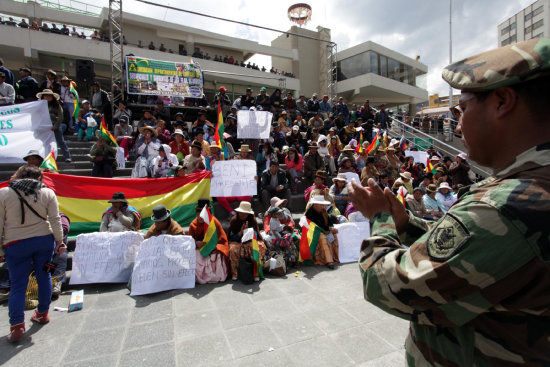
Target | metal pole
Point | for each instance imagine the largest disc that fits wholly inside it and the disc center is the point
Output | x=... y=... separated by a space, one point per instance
x=450 y=47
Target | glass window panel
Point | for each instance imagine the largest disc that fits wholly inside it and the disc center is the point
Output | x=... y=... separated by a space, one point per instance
x=383 y=65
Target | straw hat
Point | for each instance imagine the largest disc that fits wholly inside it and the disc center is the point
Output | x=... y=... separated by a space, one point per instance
x=391 y=149
x=320 y=173
x=407 y=175
x=276 y=202
x=150 y=128
x=348 y=148
x=66 y=78
x=214 y=145
x=318 y=199
x=245 y=148
x=313 y=145
x=444 y=185
x=431 y=188
x=462 y=156
x=340 y=177
x=245 y=207
x=46 y=92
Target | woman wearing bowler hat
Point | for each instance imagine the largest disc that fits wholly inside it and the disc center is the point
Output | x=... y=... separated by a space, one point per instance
x=163 y=223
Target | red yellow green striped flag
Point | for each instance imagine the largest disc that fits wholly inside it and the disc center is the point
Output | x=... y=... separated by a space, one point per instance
x=359 y=147
x=309 y=241
x=72 y=89
x=401 y=194
x=49 y=162
x=210 y=232
x=430 y=167
x=84 y=199
x=106 y=134
x=218 y=134
x=258 y=271
x=374 y=144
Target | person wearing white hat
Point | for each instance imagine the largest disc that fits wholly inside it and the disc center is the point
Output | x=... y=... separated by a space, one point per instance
x=326 y=252
x=179 y=146
x=339 y=192
x=215 y=155
x=459 y=171
x=405 y=179
x=245 y=218
x=164 y=162
x=446 y=195
x=147 y=149
x=347 y=152
x=323 y=151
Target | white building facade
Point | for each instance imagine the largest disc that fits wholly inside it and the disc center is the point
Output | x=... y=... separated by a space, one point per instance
x=531 y=22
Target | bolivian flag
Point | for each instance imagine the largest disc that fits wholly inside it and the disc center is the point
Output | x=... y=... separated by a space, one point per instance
x=75 y=101
x=430 y=167
x=359 y=147
x=106 y=133
x=401 y=194
x=210 y=232
x=374 y=144
x=84 y=199
x=258 y=271
x=309 y=241
x=49 y=162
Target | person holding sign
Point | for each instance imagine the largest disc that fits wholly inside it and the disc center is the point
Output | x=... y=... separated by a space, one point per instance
x=211 y=244
x=120 y=216
x=163 y=223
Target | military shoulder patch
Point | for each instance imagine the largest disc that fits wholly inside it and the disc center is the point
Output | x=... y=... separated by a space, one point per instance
x=448 y=236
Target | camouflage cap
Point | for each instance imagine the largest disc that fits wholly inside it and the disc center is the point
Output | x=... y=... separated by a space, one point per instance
x=500 y=67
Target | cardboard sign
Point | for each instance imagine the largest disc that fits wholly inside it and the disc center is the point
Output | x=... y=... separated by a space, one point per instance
x=350 y=237
x=253 y=124
x=419 y=157
x=234 y=178
x=164 y=262
x=105 y=257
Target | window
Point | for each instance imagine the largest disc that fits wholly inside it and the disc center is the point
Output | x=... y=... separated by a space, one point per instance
x=538 y=10
x=538 y=24
x=528 y=16
x=373 y=62
x=540 y=35
x=393 y=69
x=383 y=65
x=507 y=29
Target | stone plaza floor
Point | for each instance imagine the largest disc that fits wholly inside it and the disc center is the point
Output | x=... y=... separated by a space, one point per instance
x=318 y=318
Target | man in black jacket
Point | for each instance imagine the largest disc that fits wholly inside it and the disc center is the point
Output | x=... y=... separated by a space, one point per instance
x=28 y=86
x=101 y=102
x=274 y=183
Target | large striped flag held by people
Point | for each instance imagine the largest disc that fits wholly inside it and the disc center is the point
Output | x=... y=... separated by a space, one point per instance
x=105 y=133
x=210 y=232
x=309 y=241
x=49 y=162
x=84 y=199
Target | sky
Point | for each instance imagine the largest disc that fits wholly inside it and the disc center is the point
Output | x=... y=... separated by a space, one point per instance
x=411 y=27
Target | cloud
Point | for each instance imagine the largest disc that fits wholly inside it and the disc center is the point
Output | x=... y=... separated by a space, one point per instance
x=409 y=27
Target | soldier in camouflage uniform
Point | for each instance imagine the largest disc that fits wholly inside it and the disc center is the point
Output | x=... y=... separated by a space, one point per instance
x=475 y=285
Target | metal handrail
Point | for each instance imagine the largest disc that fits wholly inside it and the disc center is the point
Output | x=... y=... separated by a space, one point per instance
x=442 y=146
x=86 y=10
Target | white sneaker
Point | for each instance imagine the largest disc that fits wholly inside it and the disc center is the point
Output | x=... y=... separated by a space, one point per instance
x=256 y=279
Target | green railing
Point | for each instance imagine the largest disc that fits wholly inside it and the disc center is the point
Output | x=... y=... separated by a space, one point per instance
x=72 y=6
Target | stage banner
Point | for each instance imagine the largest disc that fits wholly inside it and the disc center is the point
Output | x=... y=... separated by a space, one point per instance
x=163 y=263
x=24 y=127
x=163 y=78
x=105 y=257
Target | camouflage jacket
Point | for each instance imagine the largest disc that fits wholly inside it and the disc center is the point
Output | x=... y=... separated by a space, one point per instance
x=475 y=285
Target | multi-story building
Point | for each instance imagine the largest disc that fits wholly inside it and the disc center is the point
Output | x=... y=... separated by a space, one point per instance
x=531 y=22
x=366 y=71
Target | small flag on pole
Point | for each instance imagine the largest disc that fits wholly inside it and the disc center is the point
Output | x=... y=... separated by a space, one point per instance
x=49 y=162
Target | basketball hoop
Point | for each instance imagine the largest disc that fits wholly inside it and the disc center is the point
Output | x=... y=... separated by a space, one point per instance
x=299 y=13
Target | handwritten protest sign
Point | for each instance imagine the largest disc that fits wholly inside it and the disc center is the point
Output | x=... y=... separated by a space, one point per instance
x=163 y=263
x=253 y=124
x=354 y=234
x=233 y=178
x=352 y=176
x=105 y=257
x=419 y=157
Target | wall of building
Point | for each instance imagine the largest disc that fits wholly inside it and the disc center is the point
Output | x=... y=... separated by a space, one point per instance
x=531 y=22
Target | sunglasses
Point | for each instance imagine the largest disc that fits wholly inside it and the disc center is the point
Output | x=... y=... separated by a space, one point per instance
x=456 y=110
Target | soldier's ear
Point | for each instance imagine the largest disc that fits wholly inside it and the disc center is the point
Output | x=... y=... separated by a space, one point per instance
x=504 y=102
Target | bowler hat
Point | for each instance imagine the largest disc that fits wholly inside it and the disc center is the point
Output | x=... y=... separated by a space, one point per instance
x=160 y=213
x=202 y=203
x=196 y=144
x=118 y=197
x=321 y=174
